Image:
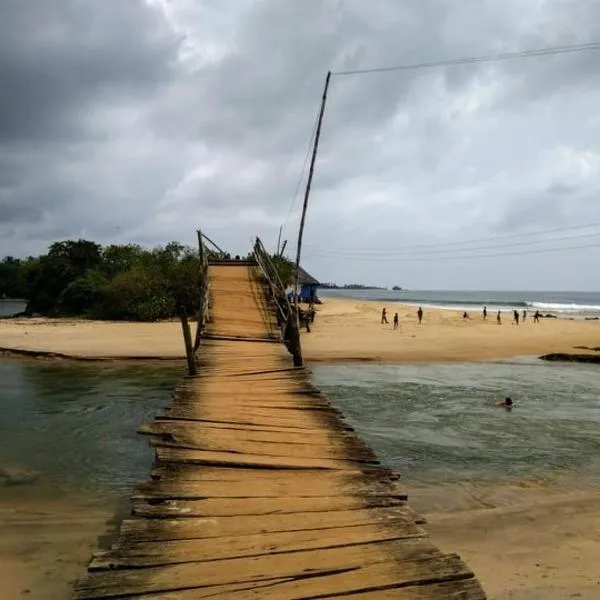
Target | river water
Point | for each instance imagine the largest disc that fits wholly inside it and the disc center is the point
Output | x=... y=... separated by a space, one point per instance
x=71 y=428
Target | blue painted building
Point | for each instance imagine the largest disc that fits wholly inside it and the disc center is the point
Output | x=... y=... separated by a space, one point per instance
x=308 y=287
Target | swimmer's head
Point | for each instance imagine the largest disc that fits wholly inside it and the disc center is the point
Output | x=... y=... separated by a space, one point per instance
x=508 y=401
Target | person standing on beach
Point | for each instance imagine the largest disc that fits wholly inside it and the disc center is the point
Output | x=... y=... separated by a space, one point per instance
x=384 y=316
x=396 y=320
x=485 y=313
x=420 y=315
x=524 y=315
x=499 y=318
x=536 y=316
x=515 y=317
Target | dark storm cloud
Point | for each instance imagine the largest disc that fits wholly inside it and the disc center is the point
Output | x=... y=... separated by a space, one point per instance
x=125 y=119
x=58 y=55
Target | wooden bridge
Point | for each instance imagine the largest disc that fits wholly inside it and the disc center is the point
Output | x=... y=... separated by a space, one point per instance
x=259 y=489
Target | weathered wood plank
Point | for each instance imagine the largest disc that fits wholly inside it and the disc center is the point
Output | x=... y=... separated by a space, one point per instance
x=199 y=430
x=148 y=554
x=461 y=589
x=408 y=561
x=202 y=457
x=266 y=489
x=250 y=448
x=144 y=530
x=224 y=507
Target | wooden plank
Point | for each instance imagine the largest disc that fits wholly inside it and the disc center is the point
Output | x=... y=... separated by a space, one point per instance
x=267 y=489
x=172 y=416
x=309 y=477
x=199 y=430
x=143 y=530
x=225 y=507
x=227 y=459
x=461 y=589
x=420 y=562
x=251 y=448
x=148 y=554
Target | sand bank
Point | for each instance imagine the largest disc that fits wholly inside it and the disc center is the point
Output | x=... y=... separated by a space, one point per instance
x=45 y=546
x=343 y=330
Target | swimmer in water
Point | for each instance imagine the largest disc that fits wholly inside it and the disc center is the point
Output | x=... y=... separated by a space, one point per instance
x=507 y=403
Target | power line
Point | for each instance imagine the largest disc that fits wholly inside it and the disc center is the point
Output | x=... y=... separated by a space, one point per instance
x=390 y=251
x=553 y=50
x=466 y=257
x=486 y=239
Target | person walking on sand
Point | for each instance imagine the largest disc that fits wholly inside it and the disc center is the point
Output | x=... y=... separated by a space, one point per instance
x=396 y=320
x=536 y=316
x=420 y=315
x=384 y=316
x=515 y=317
x=485 y=313
x=524 y=315
x=499 y=318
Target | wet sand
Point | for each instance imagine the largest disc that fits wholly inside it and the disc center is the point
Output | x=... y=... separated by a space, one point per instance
x=45 y=545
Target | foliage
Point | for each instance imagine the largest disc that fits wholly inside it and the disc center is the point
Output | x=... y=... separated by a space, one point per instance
x=81 y=278
x=285 y=268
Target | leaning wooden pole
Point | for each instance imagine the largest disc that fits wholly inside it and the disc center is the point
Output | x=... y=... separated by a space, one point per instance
x=306 y=196
x=201 y=291
x=187 y=339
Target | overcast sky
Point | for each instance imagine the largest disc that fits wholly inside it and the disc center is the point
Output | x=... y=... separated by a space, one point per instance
x=133 y=120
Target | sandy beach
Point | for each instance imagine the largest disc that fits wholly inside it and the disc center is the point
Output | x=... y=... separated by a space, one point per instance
x=541 y=544
x=344 y=330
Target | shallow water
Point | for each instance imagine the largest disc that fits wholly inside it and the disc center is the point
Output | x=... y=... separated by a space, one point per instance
x=71 y=428
x=438 y=423
x=68 y=428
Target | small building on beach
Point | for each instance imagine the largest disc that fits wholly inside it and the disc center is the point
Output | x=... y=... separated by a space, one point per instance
x=308 y=288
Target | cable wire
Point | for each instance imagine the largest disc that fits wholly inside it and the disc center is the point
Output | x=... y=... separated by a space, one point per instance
x=473 y=241
x=376 y=253
x=466 y=257
x=549 y=51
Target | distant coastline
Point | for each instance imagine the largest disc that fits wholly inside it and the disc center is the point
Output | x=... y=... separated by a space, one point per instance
x=351 y=286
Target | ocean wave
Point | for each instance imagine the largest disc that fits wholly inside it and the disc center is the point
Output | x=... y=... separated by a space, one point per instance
x=559 y=307
x=457 y=303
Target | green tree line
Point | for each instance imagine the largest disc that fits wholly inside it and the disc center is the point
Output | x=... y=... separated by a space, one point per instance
x=119 y=282
x=116 y=282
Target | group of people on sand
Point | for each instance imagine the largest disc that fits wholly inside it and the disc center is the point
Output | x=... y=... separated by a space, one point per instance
x=396 y=320
x=516 y=316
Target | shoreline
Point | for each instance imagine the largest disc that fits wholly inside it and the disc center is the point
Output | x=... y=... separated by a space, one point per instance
x=344 y=331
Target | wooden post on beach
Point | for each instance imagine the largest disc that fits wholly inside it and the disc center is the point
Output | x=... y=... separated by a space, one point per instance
x=201 y=291
x=304 y=207
x=187 y=339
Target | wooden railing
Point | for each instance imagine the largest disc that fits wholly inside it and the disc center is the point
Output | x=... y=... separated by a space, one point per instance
x=287 y=317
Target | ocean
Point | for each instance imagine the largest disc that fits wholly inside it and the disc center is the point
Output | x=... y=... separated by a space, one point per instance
x=568 y=304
